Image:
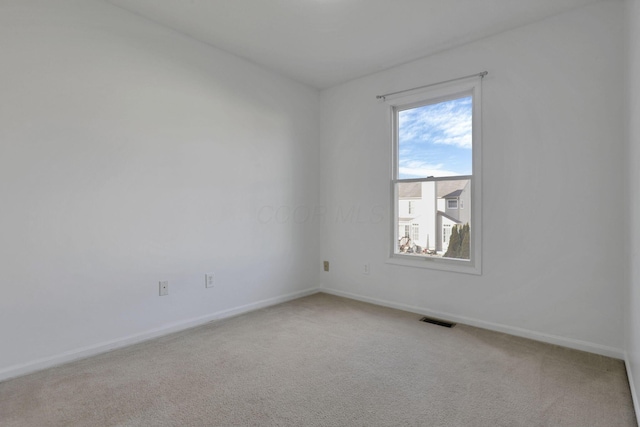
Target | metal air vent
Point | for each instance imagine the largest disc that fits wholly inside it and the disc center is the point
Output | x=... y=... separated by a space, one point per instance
x=438 y=322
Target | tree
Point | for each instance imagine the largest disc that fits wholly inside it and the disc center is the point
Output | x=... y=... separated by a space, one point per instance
x=454 y=243
x=464 y=246
x=459 y=242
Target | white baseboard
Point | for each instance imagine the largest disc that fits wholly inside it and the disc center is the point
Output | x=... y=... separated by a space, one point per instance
x=634 y=395
x=93 y=350
x=525 y=333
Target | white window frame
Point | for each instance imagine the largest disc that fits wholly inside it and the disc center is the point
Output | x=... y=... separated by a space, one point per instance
x=449 y=203
x=434 y=95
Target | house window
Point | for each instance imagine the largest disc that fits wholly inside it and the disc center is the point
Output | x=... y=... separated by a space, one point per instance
x=415 y=232
x=436 y=163
x=446 y=232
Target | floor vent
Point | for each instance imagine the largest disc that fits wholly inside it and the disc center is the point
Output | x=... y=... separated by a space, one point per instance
x=438 y=322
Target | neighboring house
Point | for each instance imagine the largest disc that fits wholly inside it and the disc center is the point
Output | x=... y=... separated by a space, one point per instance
x=416 y=215
x=427 y=212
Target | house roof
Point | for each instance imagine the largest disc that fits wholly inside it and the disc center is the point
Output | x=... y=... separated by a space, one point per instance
x=449 y=217
x=452 y=194
x=447 y=188
x=409 y=190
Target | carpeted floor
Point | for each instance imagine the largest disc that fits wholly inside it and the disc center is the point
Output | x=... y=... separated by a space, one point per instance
x=326 y=361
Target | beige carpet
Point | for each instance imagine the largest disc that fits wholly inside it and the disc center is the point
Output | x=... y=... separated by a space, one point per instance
x=326 y=361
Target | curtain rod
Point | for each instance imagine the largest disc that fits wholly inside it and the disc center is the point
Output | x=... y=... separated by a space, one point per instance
x=481 y=75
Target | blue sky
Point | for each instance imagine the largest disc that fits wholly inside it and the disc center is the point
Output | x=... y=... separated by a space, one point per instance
x=435 y=140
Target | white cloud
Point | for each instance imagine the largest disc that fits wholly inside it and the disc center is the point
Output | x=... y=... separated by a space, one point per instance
x=448 y=123
x=416 y=169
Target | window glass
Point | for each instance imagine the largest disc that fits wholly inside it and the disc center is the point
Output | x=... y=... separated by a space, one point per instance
x=436 y=178
x=436 y=140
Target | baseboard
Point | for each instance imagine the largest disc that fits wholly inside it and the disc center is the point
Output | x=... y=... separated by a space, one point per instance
x=525 y=333
x=634 y=395
x=82 y=353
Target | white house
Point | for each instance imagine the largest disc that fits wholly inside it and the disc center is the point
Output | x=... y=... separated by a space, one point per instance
x=427 y=212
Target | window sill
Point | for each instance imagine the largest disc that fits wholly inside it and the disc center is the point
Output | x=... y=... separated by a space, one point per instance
x=466 y=267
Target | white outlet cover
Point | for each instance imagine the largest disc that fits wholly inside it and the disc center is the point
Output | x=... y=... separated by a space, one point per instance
x=164 y=287
x=209 y=280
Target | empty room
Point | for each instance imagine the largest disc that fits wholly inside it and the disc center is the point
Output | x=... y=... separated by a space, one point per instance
x=319 y=212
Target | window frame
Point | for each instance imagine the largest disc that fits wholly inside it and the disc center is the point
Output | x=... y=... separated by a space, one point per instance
x=433 y=95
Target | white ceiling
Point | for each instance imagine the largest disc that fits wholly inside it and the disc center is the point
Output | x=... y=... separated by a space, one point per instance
x=325 y=42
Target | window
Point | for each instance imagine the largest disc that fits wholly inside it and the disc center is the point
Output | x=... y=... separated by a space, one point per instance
x=446 y=232
x=415 y=232
x=436 y=164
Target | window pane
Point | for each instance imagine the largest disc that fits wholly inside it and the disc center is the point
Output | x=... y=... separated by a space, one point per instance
x=435 y=226
x=436 y=140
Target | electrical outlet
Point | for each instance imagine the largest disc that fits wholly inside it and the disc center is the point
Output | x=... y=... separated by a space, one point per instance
x=366 y=269
x=208 y=280
x=164 y=288
x=326 y=265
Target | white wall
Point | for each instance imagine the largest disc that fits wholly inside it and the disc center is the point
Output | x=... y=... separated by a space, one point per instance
x=633 y=299
x=553 y=147
x=131 y=154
